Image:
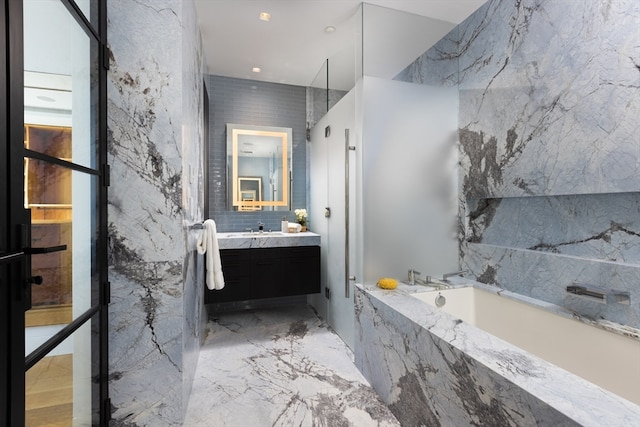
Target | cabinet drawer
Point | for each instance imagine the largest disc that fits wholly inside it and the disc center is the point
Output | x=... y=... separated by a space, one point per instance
x=302 y=270
x=237 y=277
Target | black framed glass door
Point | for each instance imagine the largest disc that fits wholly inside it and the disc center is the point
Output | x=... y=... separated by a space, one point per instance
x=54 y=224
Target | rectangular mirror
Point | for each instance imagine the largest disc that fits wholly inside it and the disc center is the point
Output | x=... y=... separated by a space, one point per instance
x=258 y=167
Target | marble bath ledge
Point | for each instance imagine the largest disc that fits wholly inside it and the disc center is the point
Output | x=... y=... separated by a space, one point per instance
x=454 y=373
x=267 y=239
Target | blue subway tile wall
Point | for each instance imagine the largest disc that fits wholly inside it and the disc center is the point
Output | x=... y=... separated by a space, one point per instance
x=255 y=103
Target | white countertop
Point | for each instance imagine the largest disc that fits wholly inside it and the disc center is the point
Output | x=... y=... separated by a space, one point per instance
x=273 y=239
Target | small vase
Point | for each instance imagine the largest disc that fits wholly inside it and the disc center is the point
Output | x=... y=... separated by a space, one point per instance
x=303 y=229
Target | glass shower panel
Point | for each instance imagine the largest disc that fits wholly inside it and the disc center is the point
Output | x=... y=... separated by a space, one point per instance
x=393 y=39
x=318 y=96
x=409 y=181
x=338 y=74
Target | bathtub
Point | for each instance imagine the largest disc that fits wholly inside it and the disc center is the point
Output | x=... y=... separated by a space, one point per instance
x=488 y=357
x=607 y=359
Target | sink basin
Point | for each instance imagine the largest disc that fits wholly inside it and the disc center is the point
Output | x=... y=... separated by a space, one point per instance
x=263 y=234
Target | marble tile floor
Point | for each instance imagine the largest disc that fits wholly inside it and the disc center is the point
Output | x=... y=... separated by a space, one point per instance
x=280 y=367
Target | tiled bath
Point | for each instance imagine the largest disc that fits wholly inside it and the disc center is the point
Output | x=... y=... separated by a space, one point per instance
x=433 y=369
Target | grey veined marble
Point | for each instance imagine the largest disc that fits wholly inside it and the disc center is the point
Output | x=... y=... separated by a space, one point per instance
x=595 y=226
x=281 y=367
x=549 y=145
x=155 y=143
x=243 y=240
x=433 y=369
x=549 y=98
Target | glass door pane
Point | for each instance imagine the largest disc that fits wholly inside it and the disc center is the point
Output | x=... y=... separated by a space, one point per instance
x=59 y=388
x=63 y=220
x=60 y=94
x=61 y=188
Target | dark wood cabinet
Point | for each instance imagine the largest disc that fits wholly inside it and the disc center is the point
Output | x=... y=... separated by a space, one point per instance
x=267 y=273
x=299 y=262
x=236 y=267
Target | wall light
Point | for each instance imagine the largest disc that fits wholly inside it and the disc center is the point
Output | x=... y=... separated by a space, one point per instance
x=264 y=16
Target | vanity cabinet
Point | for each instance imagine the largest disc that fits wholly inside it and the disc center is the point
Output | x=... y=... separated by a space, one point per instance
x=237 y=276
x=258 y=273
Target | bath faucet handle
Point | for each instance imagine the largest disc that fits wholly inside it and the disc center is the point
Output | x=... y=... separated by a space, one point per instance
x=411 y=276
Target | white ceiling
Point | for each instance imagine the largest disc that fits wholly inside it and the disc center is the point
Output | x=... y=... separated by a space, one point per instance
x=293 y=46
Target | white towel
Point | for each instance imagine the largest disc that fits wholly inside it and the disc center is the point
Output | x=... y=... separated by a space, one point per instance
x=208 y=245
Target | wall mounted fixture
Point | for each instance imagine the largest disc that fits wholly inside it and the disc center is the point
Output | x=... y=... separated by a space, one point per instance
x=599 y=295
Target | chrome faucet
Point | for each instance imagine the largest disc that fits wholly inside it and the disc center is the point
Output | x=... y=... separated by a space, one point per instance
x=455 y=273
x=411 y=276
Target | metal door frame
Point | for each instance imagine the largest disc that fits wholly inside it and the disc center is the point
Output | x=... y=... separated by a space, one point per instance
x=13 y=363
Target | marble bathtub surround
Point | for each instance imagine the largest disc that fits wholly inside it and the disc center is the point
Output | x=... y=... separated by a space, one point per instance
x=280 y=367
x=274 y=239
x=549 y=146
x=433 y=369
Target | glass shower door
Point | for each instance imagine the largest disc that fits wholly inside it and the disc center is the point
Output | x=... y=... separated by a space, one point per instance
x=329 y=155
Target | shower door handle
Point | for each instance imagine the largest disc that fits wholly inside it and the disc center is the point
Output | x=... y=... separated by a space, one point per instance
x=347 y=264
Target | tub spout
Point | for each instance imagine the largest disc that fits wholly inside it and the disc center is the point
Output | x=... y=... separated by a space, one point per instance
x=455 y=273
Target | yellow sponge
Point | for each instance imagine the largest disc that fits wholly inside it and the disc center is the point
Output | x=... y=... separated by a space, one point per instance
x=387 y=283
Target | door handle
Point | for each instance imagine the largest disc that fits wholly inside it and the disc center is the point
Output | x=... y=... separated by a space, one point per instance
x=36 y=251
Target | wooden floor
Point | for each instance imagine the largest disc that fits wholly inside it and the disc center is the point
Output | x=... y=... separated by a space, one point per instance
x=49 y=392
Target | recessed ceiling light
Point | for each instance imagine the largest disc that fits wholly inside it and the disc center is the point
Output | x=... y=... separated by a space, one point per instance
x=330 y=29
x=256 y=69
x=264 y=16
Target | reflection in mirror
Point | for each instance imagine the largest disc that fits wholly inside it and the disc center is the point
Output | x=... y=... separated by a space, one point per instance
x=259 y=167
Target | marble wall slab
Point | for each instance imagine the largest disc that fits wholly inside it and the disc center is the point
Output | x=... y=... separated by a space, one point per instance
x=545 y=276
x=594 y=226
x=549 y=143
x=155 y=144
x=548 y=96
x=193 y=194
